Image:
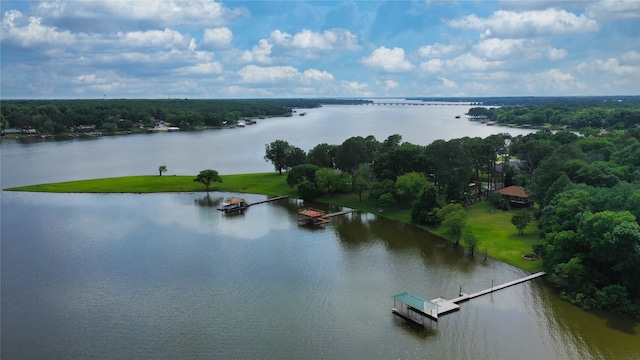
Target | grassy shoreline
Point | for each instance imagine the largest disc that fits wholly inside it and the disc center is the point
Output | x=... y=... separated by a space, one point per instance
x=492 y=227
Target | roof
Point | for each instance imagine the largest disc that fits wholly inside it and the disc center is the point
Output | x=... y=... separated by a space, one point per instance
x=231 y=201
x=416 y=302
x=517 y=191
x=313 y=213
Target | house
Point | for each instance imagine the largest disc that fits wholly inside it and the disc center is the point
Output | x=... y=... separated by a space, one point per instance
x=85 y=128
x=516 y=196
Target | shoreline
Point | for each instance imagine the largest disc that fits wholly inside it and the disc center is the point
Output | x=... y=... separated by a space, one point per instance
x=496 y=239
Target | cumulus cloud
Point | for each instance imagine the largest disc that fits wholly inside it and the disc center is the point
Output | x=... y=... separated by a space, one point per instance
x=503 y=49
x=217 y=38
x=328 y=40
x=260 y=53
x=438 y=50
x=28 y=32
x=510 y=24
x=388 y=60
x=472 y=63
x=160 y=13
x=431 y=66
x=614 y=9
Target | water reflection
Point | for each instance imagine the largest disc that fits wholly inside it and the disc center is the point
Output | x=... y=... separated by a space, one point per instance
x=208 y=201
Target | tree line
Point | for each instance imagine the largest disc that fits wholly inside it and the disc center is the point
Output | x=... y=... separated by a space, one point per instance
x=586 y=187
x=58 y=116
x=612 y=115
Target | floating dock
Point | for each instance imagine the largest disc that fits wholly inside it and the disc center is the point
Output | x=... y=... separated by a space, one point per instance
x=318 y=217
x=237 y=204
x=418 y=310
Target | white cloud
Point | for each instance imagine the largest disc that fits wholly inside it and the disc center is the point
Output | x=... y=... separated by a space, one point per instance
x=271 y=75
x=317 y=75
x=159 y=12
x=260 y=53
x=438 y=50
x=556 y=54
x=217 y=38
x=29 y=32
x=388 y=60
x=390 y=84
x=509 y=24
x=614 y=9
x=156 y=39
x=209 y=68
x=517 y=49
x=431 y=66
x=328 y=40
x=472 y=63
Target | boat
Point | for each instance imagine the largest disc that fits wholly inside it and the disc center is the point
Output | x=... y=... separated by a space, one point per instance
x=233 y=204
x=457 y=116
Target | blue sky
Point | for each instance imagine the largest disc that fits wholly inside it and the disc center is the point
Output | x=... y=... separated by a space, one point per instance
x=256 y=49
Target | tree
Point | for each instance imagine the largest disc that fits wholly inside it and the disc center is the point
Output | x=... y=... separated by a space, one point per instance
x=277 y=152
x=454 y=223
x=300 y=173
x=208 y=176
x=521 y=219
x=409 y=186
x=470 y=240
x=162 y=169
x=424 y=210
x=363 y=179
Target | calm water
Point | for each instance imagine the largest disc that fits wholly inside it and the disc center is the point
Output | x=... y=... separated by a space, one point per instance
x=167 y=276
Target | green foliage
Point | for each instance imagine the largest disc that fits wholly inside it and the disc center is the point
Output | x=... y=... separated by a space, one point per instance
x=425 y=207
x=162 y=169
x=277 y=152
x=454 y=221
x=409 y=186
x=470 y=240
x=208 y=176
x=307 y=191
x=521 y=220
x=300 y=173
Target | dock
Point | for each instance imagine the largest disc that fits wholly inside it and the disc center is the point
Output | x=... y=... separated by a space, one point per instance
x=416 y=309
x=269 y=200
x=318 y=217
x=236 y=204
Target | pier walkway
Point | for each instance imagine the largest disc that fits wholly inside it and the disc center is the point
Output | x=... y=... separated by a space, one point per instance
x=440 y=306
x=447 y=306
x=269 y=200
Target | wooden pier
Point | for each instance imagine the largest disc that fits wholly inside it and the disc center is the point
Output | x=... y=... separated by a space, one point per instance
x=440 y=306
x=236 y=204
x=318 y=217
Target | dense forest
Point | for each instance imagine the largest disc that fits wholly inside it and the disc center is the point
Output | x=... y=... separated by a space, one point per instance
x=58 y=116
x=586 y=188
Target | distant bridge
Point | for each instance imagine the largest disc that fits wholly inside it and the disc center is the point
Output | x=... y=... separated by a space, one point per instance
x=421 y=104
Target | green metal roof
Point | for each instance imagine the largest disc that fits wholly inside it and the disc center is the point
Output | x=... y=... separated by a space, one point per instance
x=416 y=302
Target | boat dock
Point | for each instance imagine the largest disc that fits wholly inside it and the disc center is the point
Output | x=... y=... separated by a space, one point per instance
x=237 y=204
x=418 y=310
x=318 y=217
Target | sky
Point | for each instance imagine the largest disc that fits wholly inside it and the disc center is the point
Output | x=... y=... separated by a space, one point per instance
x=304 y=49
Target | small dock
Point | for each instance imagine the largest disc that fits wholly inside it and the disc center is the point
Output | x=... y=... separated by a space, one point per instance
x=318 y=217
x=416 y=309
x=236 y=204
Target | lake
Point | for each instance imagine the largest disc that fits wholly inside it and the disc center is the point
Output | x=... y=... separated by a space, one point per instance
x=167 y=276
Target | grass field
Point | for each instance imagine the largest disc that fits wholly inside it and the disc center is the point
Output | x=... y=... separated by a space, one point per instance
x=492 y=227
x=262 y=183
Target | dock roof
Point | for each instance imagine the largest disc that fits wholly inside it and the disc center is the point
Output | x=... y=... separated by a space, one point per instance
x=416 y=302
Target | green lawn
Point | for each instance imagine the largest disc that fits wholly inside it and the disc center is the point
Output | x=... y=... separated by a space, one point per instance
x=262 y=183
x=492 y=227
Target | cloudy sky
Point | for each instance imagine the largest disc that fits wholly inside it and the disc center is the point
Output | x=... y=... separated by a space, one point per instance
x=256 y=49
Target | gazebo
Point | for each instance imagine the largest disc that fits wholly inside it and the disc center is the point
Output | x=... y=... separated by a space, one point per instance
x=415 y=308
